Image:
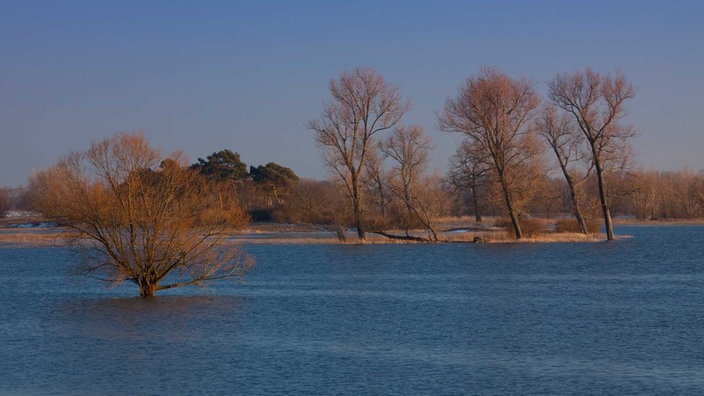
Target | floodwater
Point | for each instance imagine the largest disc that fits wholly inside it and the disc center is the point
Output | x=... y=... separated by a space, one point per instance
x=625 y=317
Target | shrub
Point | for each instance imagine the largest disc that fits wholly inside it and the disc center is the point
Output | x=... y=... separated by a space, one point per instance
x=532 y=227
x=571 y=225
x=529 y=227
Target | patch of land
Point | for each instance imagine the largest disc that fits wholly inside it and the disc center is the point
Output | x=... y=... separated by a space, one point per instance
x=37 y=232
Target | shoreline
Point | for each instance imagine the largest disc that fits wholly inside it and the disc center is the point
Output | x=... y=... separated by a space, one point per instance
x=32 y=232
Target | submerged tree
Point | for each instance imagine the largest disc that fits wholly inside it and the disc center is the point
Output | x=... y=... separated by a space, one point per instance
x=495 y=112
x=362 y=105
x=597 y=104
x=141 y=217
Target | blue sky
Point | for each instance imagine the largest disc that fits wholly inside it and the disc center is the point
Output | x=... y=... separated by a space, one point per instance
x=209 y=75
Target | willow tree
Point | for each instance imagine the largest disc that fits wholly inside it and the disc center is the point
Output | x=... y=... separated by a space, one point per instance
x=362 y=105
x=495 y=112
x=142 y=217
x=597 y=104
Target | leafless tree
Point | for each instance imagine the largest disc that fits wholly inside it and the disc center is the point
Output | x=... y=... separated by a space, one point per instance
x=597 y=103
x=644 y=191
x=409 y=148
x=141 y=217
x=495 y=111
x=561 y=134
x=316 y=202
x=469 y=169
x=362 y=105
x=374 y=179
x=311 y=201
x=4 y=201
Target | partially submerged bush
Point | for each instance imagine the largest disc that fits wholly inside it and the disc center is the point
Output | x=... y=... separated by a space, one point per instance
x=143 y=217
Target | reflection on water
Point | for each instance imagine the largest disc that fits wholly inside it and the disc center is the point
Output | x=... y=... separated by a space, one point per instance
x=591 y=318
x=162 y=318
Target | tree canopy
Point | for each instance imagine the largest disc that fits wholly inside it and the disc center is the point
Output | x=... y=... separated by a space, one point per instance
x=362 y=105
x=272 y=173
x=142 y=218
x=222 y=165
x=494 y=111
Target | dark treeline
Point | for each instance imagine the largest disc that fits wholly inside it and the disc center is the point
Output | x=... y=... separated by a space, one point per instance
x=381 y=165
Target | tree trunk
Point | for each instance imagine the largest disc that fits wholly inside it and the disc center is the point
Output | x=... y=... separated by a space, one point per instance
x=511 y=212
x=402 y=237
x=475 y=200
x=340 y=233
x=360 y=233
x=580 y=218
x=357 y=211
x=516 y=225
x=608 y=225
x=576 y=210
x=146 y=288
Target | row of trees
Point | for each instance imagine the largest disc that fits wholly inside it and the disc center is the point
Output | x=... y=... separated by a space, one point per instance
x=362 y=107
x=506 y=130
x=159 y=222
x=5 y=204
x=653 y=195
x=12 y=199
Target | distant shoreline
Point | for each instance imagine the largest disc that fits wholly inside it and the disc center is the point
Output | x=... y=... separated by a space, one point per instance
x=17 y=233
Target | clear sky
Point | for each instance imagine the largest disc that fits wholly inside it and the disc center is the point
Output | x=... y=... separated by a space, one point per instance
x=247 y=75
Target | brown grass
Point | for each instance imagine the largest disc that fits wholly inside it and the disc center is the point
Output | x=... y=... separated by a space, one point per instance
x=33 y=238
x=302 y=235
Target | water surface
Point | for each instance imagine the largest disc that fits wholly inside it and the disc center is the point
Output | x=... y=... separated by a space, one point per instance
x=625 y=317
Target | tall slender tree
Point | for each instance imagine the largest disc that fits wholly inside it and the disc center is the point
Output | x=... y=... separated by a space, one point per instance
x=362 y=105
x=469 y=169
x=559 y=131
x=408 y=148
x=597 y=103
x=495 y=111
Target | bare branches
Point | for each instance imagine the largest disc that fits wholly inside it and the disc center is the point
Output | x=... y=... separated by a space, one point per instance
x=495 y=111
x=408 y=148
x=362 y=105
x=597 y=104
x=561 y=134
x=146 y=218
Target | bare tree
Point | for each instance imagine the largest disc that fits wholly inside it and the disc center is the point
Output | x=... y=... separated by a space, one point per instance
x=469 y=169
x=642 y=198
x=408 y=147
x=362 y=105
x=597 y=103
x=560 y=133
x=143 y=218
x=375 y=181
x=495 y=111
x=4 y=201
x=661 y=194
